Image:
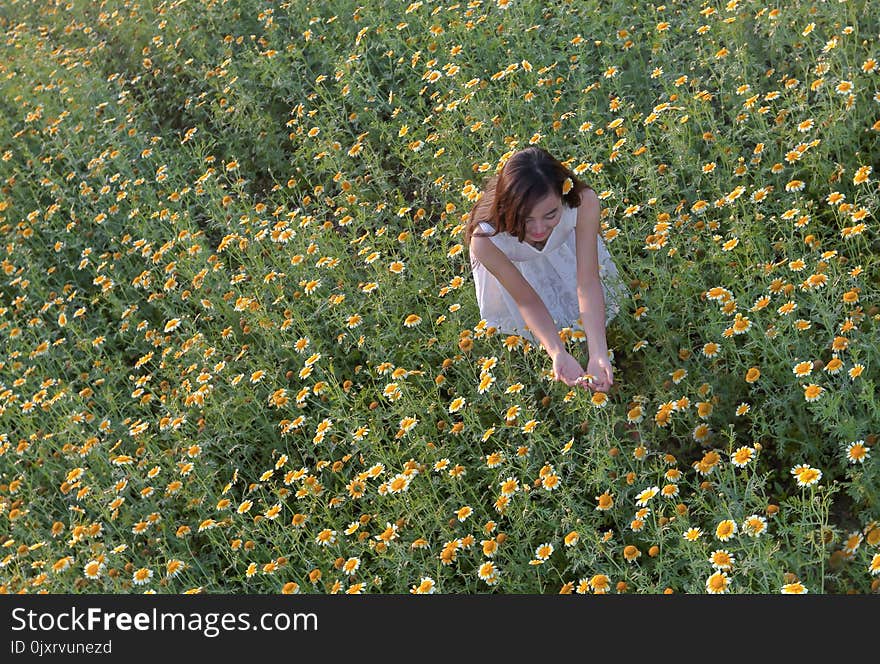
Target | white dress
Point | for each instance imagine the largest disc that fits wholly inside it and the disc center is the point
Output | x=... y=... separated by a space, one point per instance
x=551 y=271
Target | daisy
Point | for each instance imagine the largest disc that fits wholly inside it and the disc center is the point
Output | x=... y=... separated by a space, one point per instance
x=601 y=584
x=427 y=586
x=174 y=567
x=529 y=426
x=142 y=576
x=326 y=537
x=722 y=560
x=486 y=381
x=646 y=495
x=605 y=502
x=813 y=392
x=494 y=459
x=857 y=452
x=631 y=553
x=806 y=476
x=806 y=125
x=544 y=551
x=93 y=569
x=725 y=530
x=488 y=573
x=351 y=566
x=718 y=583
x=635 y=415
x=599 y=399
x=710 y=349
x=802 y=369
x=742 y=456
x=399 y=483
x=834 y=365
x=701 y=432
x=550 y=482
x=509 y=486
x=755 y=525
x=853 y=542
x=669 y=490
x=862 y=175
x=742 y=409
x=874 y=567
x=796 y=588
x=787 y=308
x=62 y=564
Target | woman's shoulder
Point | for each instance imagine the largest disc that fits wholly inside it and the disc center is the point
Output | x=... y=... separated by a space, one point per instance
x=589 y=204
x=589 y=196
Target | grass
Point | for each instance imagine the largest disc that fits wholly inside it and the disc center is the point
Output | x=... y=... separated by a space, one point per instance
x=243 y=349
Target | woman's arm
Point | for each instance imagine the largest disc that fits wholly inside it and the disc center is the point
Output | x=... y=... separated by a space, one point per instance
x=530 y=305
x=591 y=299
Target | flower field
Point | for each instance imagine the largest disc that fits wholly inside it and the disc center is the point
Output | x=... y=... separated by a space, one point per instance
x=242 y=347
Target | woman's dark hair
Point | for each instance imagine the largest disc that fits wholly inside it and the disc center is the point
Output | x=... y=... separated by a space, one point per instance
x=527 y=177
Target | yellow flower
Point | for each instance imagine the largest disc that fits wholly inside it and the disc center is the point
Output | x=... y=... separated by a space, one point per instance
x=857 y=452
x=631 y=553
x=755 y=525
x=742 y=456
x=567 y=186
x=718 y=583
x=93 y=569
x=142 y=576
x=806 y=475
x=813 y=392
x=862 y=175
x=600 y=584
x=544 y=551
x=721 y=560
x=426 y=586
x=725 y=530
x=646 y=495
x=290 y=588
x=692 y=534
x=509 y=486
x=488 y=573
x=551 y=481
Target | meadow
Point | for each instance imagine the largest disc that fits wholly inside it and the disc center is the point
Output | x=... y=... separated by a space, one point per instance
x=242 y=347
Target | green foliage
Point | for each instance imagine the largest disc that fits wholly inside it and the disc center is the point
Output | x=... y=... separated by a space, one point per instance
x=244 y=352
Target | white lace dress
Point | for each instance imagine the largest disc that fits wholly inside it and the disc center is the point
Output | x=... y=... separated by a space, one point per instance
x=551 y=271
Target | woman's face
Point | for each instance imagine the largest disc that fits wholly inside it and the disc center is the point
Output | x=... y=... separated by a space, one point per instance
x=542 y=218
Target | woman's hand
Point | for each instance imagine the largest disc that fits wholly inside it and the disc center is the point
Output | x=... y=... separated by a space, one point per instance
x=603 y=375
x=567 y=369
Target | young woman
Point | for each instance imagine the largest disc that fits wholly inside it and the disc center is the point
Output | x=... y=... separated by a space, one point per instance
x=539 y=262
